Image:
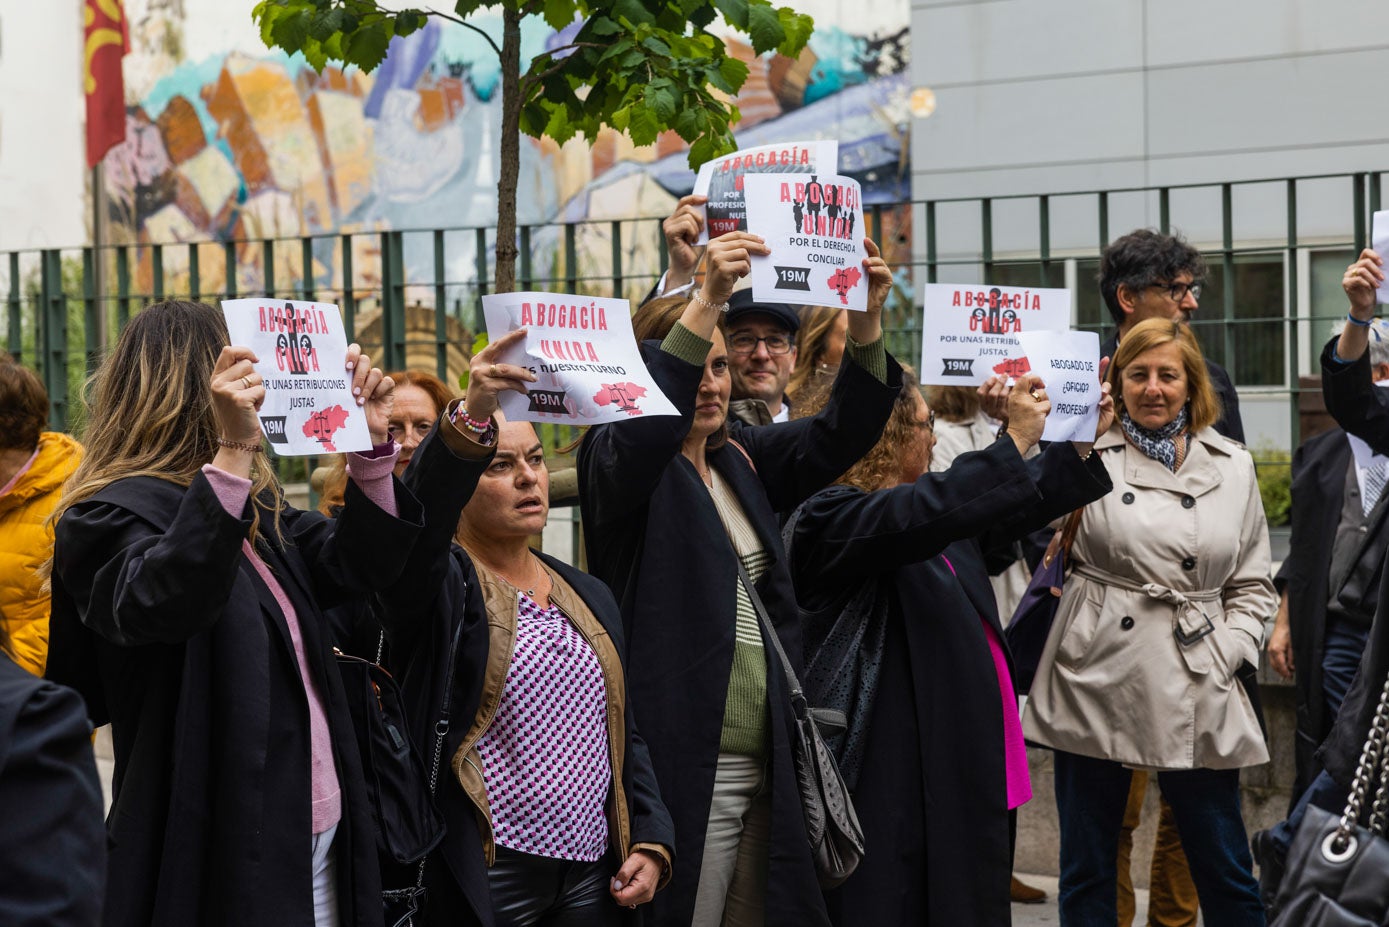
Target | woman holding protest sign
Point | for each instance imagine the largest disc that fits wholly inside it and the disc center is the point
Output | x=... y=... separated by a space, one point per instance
x=1165 y=602
x=188 y=610
x=893 y=559
x=550 y=803
x=671 y=506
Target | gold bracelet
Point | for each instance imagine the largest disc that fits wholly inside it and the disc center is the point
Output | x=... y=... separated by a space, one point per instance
x=238 y=446
x=717 y=307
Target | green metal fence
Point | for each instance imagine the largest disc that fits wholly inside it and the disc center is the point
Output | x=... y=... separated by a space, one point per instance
x=64 y=306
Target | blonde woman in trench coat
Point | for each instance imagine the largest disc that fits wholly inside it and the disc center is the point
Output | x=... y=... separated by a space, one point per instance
x=1166 y=599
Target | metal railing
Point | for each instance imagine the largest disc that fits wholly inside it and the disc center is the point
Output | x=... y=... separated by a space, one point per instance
x=64 y=306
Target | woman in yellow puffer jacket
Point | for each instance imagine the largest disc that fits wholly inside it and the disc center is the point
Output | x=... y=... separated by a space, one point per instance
x=33 y=466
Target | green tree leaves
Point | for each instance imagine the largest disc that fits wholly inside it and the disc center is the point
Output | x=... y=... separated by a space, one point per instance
x=639 y=66
x=350 y=31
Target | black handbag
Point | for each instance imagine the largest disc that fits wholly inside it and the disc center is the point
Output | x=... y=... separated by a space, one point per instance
x=403 y=906
x=1027 y=632
x=831 y=824
x=844 y=643
x=1337 y=872
x=407 y=824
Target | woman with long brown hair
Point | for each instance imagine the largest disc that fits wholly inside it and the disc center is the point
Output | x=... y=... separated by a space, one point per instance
x=188 y=610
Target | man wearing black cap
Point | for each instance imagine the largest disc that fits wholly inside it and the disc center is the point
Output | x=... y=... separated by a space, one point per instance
x=761 y=355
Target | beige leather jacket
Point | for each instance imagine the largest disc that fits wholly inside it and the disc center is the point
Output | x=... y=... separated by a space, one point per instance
x=502 y=601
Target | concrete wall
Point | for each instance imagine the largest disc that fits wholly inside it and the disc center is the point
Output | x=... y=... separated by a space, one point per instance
x=42 y=114
x=1083 y=95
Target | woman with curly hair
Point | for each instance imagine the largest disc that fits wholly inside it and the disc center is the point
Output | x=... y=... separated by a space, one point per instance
x=900 y=551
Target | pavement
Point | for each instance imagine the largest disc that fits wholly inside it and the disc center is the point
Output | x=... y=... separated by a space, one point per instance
x=1024 y=915
x=1038 y=915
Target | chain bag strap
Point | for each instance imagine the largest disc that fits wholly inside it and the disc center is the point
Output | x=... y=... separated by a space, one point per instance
x=1374 y=763
x=408 y=900
x=831 y=824
x=1337 y=869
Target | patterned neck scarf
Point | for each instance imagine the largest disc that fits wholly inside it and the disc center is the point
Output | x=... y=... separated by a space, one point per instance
x=1158 y=443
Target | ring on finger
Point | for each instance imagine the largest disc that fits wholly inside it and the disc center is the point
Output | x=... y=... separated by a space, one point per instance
x=492 y=371
x=1037 y=396
x=245 y=382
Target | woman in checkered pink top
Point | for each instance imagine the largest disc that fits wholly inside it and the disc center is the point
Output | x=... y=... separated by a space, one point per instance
x=547 y=790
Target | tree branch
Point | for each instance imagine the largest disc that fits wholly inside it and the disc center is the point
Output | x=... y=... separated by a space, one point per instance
x=463 y=22
x=531 y=79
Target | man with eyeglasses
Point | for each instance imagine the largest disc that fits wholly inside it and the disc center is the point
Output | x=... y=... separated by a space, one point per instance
x=1150 y=275
x=761 y=355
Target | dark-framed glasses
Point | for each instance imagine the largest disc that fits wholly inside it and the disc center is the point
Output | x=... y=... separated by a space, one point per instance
x=746 y=343
x=1178 y=291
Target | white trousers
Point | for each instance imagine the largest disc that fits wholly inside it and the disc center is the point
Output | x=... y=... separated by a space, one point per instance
x=325 y=879
x=733 y=877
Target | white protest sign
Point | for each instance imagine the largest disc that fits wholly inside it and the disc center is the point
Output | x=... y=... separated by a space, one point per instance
x=1379 y=240
x=969 y=331
x=1069 y=365
x=309 y=407
x=814 y=225
x=584 y=353
x=721 y=179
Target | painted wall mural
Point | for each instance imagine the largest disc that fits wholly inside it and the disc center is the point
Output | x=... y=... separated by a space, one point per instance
x=240 y=145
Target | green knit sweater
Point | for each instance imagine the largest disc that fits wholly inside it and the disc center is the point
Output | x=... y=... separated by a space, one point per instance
x=745 y=718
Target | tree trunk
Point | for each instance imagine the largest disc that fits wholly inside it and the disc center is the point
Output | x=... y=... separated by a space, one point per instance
x=510 y=167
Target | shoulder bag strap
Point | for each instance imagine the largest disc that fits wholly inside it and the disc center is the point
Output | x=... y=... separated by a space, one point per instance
x=797 y=695
x=1069 y=529
x=441 y=730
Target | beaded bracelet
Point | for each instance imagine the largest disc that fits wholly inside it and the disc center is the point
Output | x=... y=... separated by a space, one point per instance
x=459 y=416
x=238 y=446
x=717 y=307
x=1354 y=321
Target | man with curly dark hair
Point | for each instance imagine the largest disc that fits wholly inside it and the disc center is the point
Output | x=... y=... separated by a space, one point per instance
x=1151 y=275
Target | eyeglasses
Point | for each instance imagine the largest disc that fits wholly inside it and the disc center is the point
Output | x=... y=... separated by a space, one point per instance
x=746 y=343
x=1178 y=291
x=930 y=423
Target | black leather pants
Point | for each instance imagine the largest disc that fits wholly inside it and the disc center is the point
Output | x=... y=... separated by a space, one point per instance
x=538 y=891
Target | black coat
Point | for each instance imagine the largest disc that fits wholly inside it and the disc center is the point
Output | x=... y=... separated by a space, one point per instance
x=1230 y=424
x=1363 y=411
x=932 y=796
x=52 y=844
x=168 y=631
x=1319 y=474
x=654 y=536
x=424 y=628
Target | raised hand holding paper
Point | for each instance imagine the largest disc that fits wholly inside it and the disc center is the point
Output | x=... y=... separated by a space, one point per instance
x=1069 y=365
x=584 y=353
x=814 y=225
x=969 y=331
x=1379 y=240
x=721 y=179
x=302 y=346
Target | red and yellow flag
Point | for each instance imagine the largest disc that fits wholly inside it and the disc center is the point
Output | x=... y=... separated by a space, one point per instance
x=105 y=42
